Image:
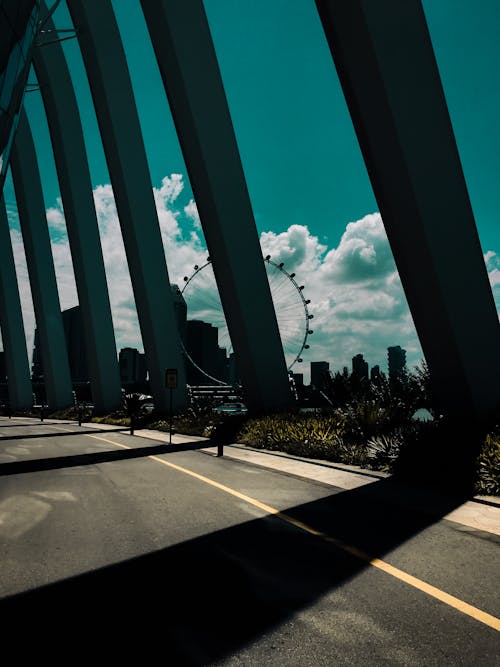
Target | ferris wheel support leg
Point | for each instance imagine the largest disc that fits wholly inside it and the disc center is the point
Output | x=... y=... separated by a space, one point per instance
x=186 y=57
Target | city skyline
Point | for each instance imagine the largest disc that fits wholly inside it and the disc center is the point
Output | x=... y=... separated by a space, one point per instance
x=133 y=365
x=342 y=257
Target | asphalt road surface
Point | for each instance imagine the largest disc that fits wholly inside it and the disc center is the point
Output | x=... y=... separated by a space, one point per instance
x=120 y=549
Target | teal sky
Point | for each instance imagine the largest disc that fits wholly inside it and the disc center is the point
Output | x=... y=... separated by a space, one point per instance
x=300 y=155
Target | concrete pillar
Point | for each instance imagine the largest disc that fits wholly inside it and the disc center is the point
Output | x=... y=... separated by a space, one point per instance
x=118 y=120
x=11 y=323
x=81 y=221
x=31 y=207
x=386 y=65
x=188 y=64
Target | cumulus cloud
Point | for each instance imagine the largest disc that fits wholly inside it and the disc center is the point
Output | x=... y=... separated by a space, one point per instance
x=492 y=261
x=191 y=211
x=356 y=296
x=55 y=218
x=23 y=283
x=296 y=247
x=357 y=299
x=363 y=253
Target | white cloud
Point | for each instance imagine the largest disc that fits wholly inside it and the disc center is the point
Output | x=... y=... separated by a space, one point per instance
x=356 y=295
x=191 y=211
x=296 y=247
x=55 y=218
x=492 y=261
x=24 y=286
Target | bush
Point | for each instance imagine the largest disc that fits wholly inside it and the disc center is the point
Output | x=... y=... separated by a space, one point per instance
x=488 y=473
x=383 y=450
x=317 y=436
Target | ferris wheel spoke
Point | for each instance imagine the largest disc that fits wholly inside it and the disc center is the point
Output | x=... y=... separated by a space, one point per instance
x=203 y=302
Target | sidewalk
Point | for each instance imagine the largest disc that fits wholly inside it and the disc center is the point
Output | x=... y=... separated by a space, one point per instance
x=481 y=513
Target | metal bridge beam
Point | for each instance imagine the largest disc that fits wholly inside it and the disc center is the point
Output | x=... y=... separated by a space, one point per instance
x=75 y=185
x=31 y=208
x=109 y=79
x=386 y=65
x=11 y=323
x=188 y=64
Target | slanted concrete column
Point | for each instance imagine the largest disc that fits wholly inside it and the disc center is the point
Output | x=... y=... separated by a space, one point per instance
x=31 y=207
x=81 y=221
x=11 y=323
x=386 y=65
x=118 y=120
x=188 y=64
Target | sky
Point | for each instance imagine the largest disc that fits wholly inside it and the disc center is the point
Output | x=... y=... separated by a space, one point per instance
x=312 y=200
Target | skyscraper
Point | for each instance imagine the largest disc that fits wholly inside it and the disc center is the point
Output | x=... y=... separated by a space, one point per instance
x=203 y=348
x=73 y=333
x=132 y=366
x=180 y=309
x=359 y=367
x=319 y=369
x=396 y=361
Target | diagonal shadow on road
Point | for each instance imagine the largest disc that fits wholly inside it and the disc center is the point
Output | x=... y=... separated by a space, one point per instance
x=55 y=462
x=200 y=601
x=58 y=434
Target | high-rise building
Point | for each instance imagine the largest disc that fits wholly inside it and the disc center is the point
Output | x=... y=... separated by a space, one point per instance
x=132 y=366
x=359 y=367
x=203 y=348
x=180 y=309
x=75 y=344
x=319 y=370
x=298 y=378
x=396 y=361
x=375 y=374
x=233 y=374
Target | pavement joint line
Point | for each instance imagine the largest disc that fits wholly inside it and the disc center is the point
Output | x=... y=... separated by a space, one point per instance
x=401 y=575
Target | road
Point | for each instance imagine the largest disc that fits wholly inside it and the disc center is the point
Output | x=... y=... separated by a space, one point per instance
x=121 y=548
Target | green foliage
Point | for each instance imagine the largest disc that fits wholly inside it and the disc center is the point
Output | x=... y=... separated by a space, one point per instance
x=370 y=426
x=317 y=436
x=132 y=404
x=383 y=450
x=66 y=413
x=363 y=419
x=117 y=418
x=488 y=474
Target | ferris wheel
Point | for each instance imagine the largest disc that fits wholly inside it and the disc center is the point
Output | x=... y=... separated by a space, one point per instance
x=203 y=303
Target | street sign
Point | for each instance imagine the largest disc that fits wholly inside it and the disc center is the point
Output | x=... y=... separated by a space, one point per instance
x=171 y=378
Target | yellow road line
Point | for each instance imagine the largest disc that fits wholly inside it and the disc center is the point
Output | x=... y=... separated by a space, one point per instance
x=438 y=594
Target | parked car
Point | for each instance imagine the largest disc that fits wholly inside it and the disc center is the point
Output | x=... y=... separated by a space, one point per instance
x=230 y=409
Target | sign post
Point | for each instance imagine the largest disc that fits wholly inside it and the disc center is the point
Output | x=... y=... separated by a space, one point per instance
x=171 y=384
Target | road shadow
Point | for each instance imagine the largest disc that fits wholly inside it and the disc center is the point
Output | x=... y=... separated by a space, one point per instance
x=198 y=602
x=73 y=460
x=25 y=425
x=61 y=434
